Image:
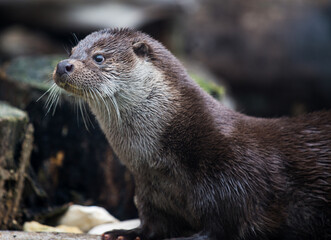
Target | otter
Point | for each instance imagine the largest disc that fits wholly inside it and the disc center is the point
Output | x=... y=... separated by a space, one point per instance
x=202 y=171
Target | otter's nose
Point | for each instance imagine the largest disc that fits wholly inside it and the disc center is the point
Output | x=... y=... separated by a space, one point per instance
x=64 y=67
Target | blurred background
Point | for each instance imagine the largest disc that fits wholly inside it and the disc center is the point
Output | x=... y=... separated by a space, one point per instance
x=272 y=58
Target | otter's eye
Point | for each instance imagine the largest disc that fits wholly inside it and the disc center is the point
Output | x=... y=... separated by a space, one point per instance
x=98 y=58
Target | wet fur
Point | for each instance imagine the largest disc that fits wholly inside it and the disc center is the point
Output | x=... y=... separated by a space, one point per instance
x=203 y=171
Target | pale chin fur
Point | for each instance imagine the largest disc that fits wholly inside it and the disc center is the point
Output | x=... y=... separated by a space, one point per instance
x=132 y=122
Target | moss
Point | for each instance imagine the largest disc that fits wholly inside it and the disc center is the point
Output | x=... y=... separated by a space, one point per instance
x=35 y=71
x=212 y=88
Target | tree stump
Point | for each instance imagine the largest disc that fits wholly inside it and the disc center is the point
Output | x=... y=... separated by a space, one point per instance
x=71 y=163
x=16 y=138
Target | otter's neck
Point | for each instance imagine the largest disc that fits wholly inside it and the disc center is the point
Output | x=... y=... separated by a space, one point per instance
x=135 y=133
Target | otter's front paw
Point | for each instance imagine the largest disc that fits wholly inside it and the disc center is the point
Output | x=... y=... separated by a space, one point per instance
x=122 y=235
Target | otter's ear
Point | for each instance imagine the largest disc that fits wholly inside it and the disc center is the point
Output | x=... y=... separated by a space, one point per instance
x=141 y=49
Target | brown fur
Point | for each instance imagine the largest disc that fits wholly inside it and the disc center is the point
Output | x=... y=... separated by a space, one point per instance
x=216 y=174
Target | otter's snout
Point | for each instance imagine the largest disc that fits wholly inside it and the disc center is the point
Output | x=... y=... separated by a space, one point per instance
x=64 y=67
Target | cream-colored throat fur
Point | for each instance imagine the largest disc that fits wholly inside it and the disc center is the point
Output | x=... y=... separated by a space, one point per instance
x=145 y=107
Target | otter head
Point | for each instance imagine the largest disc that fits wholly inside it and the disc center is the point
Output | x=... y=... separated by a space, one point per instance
x=110 y=66
x=125 y=77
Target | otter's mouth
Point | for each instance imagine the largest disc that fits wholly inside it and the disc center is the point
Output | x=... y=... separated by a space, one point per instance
x=65 y=82
x=63 y=77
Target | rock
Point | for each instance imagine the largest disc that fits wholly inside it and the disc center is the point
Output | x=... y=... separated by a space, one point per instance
x=37 y=227
x=16 y=139
x=129 y=224
x=86 y=218
x=17 y=235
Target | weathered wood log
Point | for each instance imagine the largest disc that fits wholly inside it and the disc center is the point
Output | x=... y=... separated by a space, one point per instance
x=71 y=163
x=16 y=235
x=16 y=138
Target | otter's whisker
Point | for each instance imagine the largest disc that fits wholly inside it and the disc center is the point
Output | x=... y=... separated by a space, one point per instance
x=75 y=38
x=80 y=104
x=96 y=102
x=113 y=99
x=110 y=95
x=85 y=109
x=52 y=99
x=56 y=101
x=50 y=89
x=81 y=107
x=76 y=109
x=106 y=105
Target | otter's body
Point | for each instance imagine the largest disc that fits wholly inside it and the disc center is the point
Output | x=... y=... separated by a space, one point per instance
x=202 y=171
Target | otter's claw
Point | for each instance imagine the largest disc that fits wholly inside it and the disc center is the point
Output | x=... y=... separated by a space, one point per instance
x=120 y=235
